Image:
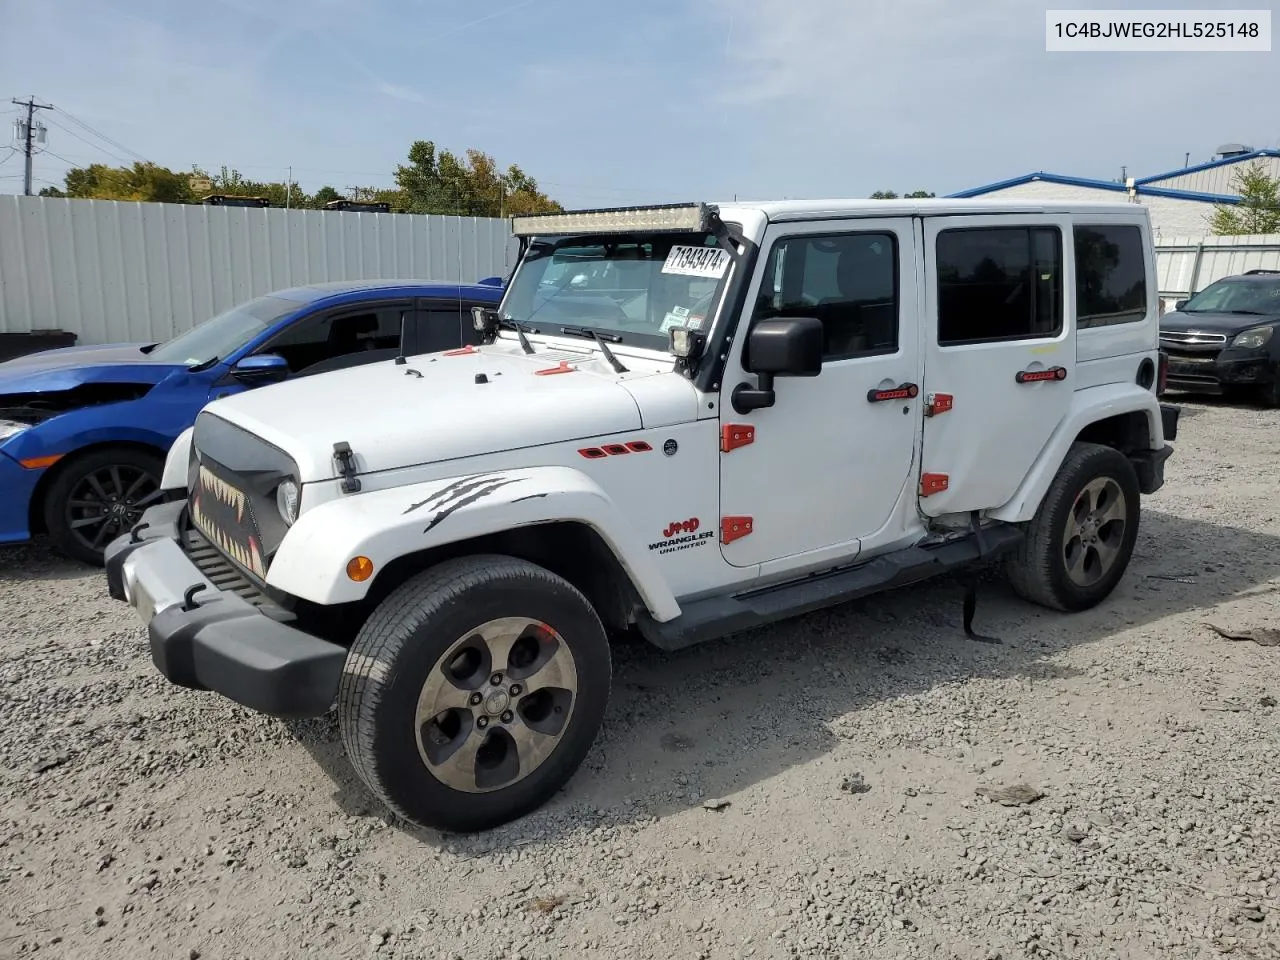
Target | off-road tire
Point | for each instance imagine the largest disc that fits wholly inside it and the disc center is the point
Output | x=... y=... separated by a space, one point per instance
x=71 y=473
x=400 y=645
x=1037 y=570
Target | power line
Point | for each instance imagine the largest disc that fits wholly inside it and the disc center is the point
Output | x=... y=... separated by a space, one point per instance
x=102 y=136
x=63 y=159
x=70 y=132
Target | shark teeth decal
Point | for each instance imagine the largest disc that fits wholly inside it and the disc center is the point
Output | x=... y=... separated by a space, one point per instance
x=220 y=492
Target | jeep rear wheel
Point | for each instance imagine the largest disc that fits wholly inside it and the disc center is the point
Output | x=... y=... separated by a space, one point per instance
x=474 y=692
x=1079 y=543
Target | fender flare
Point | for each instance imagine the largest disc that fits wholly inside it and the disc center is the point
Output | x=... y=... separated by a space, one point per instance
x=1087 y=406
x=384 y=525
x=174 y=476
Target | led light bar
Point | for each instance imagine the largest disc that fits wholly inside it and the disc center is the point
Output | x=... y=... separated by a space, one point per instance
x=675 y=217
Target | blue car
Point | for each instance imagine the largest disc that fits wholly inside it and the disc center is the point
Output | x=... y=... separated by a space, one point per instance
x=84 y=430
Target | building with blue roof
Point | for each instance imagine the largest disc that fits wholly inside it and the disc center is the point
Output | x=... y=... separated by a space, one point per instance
x=1181 y=201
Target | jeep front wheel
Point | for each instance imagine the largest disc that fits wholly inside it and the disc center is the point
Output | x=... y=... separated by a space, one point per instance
x=474 y=692
x=1078 y=545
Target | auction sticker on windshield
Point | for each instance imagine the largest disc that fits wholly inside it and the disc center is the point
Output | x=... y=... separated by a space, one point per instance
x=697 y=262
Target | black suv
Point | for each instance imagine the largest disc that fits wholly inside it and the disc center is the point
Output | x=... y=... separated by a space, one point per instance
x=1224 y=339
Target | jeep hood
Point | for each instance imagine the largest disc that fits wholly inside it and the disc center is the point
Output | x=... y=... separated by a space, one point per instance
x=66 y=368
x=446 y=406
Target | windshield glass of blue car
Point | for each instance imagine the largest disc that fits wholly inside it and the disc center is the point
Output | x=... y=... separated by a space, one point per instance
x=1237 y=296
x=222 y=335
x=630 y=289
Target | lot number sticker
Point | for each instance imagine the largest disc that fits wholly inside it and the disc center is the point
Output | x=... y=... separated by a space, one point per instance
x=709 y=262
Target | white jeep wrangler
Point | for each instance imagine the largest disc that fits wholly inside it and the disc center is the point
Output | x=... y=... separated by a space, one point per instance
x=688 y=420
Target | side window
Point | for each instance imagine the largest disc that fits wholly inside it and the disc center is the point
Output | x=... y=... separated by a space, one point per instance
x=440 y=328
x=999 y=283
x=848 y=281
x=328 y=336
x=1111 y=276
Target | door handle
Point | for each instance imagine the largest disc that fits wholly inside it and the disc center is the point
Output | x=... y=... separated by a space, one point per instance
x=1040 y=376
x=904 y=391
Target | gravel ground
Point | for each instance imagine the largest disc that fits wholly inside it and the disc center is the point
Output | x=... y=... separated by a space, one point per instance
x=866 y=755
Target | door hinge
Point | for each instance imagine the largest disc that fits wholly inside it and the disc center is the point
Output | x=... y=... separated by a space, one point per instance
x=931 y=483
x=937 y=403
x=734 y=435
x=734 y=528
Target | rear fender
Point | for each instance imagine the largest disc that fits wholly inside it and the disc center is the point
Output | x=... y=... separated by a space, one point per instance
x=1088 y=406
x=384 y=525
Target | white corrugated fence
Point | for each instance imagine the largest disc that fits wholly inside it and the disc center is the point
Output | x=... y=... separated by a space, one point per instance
x=113 y=271
x=1187 y=265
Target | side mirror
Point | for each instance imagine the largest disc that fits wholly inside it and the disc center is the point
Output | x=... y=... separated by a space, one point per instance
x=261 y=368
x=1179 y=304
x=485 y=322
x=787 y=347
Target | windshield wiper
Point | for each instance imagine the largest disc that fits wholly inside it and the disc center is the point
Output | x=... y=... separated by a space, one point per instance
x=604 y=347
x=1252 y=313
x=519 y=328
x=202 y=365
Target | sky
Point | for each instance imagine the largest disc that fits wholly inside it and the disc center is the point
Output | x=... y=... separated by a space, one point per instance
x=617 y=103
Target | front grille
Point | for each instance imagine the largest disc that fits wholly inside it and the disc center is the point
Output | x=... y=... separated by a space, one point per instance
x=224 y=575
x=1191 y=337
x=225 y=515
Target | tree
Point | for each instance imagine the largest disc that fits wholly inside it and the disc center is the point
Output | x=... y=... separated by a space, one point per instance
x=143 y=181
x=1259 y=208
x=920 y=195
x=884 y=195
x=324 y=195
x=51 y=192
x=230 y=183
x=471 y=185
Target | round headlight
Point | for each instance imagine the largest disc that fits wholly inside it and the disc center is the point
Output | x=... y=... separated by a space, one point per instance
x=287 y=501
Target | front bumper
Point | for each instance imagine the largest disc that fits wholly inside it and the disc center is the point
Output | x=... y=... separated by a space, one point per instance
x=1214 y=372
x=17 y=484
x=204 y=638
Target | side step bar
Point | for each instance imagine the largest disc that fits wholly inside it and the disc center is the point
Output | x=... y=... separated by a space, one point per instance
x=718 y=617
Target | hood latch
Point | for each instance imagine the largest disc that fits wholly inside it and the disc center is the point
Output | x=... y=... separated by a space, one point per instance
x=346 y=460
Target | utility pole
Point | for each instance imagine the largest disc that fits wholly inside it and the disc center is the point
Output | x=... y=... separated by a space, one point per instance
x=29 y=135
x=288 y=187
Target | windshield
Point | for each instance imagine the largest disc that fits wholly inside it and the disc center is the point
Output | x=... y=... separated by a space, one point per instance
x=1231 y=296
x=224 y=334
x=633 y=288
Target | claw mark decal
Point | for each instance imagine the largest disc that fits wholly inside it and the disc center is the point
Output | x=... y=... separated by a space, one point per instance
x=457 y=488
x=459 y=494
x=214 y=505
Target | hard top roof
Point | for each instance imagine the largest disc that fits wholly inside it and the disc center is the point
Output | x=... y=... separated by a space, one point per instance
x=931 y=206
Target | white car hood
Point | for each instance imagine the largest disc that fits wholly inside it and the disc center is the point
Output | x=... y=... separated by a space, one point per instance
x=393 y=418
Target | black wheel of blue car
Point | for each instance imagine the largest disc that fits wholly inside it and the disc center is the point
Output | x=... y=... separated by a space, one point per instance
x=98 y=496
x=474 y=692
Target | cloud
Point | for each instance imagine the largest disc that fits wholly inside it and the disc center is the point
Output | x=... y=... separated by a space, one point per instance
x=832 y=97
x=400 y=93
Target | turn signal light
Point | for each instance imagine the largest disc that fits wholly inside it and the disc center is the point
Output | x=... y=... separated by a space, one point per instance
x=359 y=569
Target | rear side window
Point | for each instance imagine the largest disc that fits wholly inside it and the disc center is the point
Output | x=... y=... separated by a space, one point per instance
x=1111 y=276
x=999 y=283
